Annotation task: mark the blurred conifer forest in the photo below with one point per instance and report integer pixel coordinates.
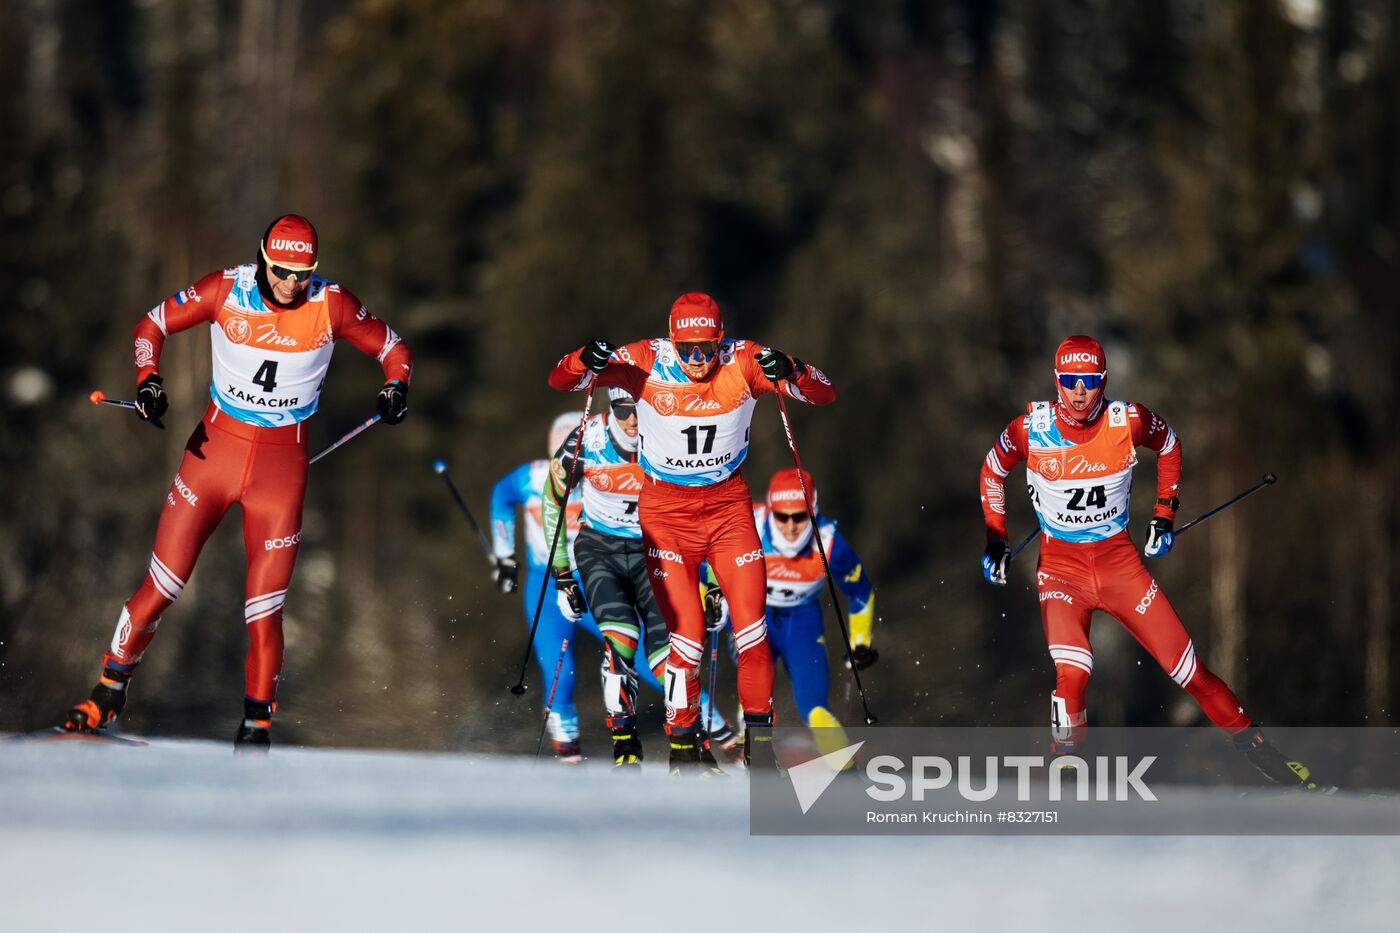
(923, 198)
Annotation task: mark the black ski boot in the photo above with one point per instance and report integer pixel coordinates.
(709, 767)
(758, 742)
(685, 755)
(627, 748)
(1275, 765)
(254, 736)
(102, 706)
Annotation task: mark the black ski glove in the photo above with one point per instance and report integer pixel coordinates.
(776, 364)
(1160, 537)
(505, 573)
(570, 597)
(596, 353)
(151, 402)
(716, 609)
(393, 402)
(864, 656)
(994, 561)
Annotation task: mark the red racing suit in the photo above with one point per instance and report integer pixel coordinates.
(1080, 476)
(695, 506)
(249, 448)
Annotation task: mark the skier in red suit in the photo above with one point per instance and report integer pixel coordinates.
(1079, 453)
(695, 392)
(273, 325)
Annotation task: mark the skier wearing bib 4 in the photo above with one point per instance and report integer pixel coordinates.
(796, 582)
(1079, 453)
(611, 561)
(695, 395)
(521, 487)
(273, 325)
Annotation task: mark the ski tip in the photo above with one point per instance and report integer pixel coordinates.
(439, 466)
(1270, 478)
(97, 396)
(59, 734)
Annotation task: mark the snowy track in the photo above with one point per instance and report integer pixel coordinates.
(182, 836)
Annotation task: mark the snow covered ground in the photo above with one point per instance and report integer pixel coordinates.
(183, 836)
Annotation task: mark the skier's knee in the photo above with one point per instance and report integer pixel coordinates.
(751, 636)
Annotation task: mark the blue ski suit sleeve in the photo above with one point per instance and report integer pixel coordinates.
(510, 491)
(850, 576)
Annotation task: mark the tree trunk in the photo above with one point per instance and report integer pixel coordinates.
(1377, 566)
(1227, 591)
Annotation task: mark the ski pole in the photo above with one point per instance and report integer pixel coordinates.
(1022, 546)
(1268, 480)
(554, 684)
(518, 688)
(714, 667)
(346, 437)
(98, 397)
(440, 468)
(870, 719)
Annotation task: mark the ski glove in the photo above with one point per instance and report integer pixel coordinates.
(864, 656)
(1159, 537)
(776, 364)
(504, 574)
(994, 561)
(393, 402)
(570, 597)
(151, 402)
(596, 354)
(716, 609)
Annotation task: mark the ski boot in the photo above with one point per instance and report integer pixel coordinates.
(627, 748)
(1061, 749)
(758, 742)
(1274, 765)
(102, 706)
(1067, 731)
(685, 755)
(254, 736)
(709, 767)
(568, 752)
(730, 745)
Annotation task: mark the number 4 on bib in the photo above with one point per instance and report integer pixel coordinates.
(266, 376)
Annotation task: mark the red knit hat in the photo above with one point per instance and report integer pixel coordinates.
(1080, 354)
(290, 242)
(785, 491)
(694, 317)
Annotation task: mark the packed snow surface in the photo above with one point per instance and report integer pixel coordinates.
(183, 836)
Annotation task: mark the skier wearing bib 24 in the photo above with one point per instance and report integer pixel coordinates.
(695, 395)
(1079, 453)
(273, 325)
(612, 562)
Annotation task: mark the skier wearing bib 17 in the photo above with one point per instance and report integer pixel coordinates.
(695, 393)
(1079, 453)
(273, 325)
(611, 561)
